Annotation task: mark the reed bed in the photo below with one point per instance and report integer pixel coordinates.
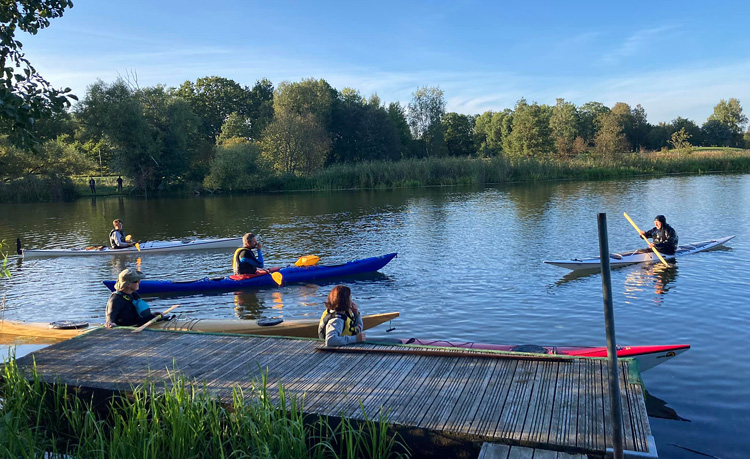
(177, 419)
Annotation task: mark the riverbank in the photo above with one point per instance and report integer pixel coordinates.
(179, 420)
(416, 173)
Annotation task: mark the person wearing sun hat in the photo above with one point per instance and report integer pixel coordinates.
(125, 307)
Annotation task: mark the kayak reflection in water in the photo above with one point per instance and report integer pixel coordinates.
(125, 307)
(664, 236)
(341, 322)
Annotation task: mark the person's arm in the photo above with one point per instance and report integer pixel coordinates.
(119, 243)
(650, 233)
(334, 328)
(260, 258)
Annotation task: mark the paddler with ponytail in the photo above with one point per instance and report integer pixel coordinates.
(244, 260)
(125, 307)
(341, 322)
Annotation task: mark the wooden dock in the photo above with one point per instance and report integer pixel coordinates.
(438, 401)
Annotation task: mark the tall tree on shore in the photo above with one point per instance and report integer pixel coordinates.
(294, 143)
(610, 138)
(214, 99)
(397, 115)
(530, 132)
(624, 117)
(425, 114)
(459, 134)
(25, 96)
(564, 126)
(641, 128)
(729, 113)
(588, 115)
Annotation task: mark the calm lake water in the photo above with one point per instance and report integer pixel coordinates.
(469, 268)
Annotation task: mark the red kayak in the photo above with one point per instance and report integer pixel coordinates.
(647, 356)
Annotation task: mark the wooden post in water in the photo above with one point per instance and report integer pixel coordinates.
(609, 320)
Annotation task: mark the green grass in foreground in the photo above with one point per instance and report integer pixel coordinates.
(179, 420)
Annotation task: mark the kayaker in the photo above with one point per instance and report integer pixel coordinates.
(117, 236)
(341, 322)
(664, 236)
(244, 260)
(125, 307)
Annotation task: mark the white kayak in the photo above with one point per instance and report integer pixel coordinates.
(635, 256)
(145, 247)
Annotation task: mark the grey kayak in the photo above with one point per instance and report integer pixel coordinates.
(632, 257)
(146, 247)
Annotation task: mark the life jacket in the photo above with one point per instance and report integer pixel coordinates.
(236, 260)
(113, 239)
(349, 323)
(139, 304)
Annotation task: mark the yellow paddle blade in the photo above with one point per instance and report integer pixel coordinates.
(138, 246)
(277, 277)
(307, 260)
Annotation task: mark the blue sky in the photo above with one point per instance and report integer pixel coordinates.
(674, 58)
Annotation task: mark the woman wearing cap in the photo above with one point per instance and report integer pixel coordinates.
(125, 307)
(664, 236)
(341, 322)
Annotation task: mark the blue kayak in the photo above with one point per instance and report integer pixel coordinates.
(290, 274)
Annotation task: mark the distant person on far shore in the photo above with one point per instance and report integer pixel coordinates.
(117, 239)
(664, 236)
(92, 185)
(341, 323)
(244, 260)
(119, 184)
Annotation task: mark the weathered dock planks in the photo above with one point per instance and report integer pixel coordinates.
(553, 403)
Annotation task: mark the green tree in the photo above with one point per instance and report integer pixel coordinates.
(425, 114)
(659, 136)
(397, 114)
(59, 156)
(624, 116)
(564, 126)
(214, 99)
(641, 128)
(729, 113)
(295, 144)
(680, 141)
(692, 129)
(610, 138)
(235, 126)
(589, 115)
(261, 107)
(236, 166)
(25, 96)
(530, 132)
(459, 134)
(307, 97)
(716, 134)
(154, 135)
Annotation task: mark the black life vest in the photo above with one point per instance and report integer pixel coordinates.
(113, 239)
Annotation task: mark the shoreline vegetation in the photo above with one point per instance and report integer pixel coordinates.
(409, 173)
(177, 418)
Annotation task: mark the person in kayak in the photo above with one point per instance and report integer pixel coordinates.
(341, 322)
(125, 307)
(244, 260)
(117, 236)
(664, 236)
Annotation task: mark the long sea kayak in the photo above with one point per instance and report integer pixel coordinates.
(635, 256)
(145, 247)
(289, 274)
(302, 328)
(647, 356)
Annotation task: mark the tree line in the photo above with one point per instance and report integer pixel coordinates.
(217, 133)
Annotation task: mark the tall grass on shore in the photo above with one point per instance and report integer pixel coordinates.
(482, 171)
(179, 420)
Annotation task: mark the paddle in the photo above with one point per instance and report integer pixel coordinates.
(158, 316)
(277, 277)
(138, 246)
(645, 239)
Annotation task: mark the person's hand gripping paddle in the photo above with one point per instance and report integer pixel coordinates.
(645, 239)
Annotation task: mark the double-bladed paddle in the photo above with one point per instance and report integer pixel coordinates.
(158, 316)
(645, 239)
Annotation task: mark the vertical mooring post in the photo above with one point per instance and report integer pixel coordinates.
(609, 320)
